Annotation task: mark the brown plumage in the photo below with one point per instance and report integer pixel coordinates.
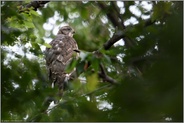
(59, 56)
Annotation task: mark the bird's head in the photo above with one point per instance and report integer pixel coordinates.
(66, 30)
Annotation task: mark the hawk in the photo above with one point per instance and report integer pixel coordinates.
(64, 49)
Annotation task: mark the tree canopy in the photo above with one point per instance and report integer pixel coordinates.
(135, 51)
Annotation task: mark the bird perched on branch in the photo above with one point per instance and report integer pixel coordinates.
(62, 51)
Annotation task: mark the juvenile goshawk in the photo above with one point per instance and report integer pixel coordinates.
(59, 56)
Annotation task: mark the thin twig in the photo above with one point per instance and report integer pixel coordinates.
(105, 86)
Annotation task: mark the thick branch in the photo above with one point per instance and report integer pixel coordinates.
(116, 37)
(117, 20)
(122, 34)
(117, 9)
(111, 14)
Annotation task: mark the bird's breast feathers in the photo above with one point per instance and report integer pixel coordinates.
(63, 48)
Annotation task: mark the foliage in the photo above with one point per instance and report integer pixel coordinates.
(147, 68)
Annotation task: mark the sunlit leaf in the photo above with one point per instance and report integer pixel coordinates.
(34, 13)
(27, 1)
(29, 24)
(92, 82)
(47, 45)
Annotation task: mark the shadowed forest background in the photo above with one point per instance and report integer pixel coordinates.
(136, 66)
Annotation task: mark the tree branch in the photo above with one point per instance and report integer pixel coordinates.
(122, 34)
(34, 4)
(117, 10)
(105, 77)
(111, 14)
(116, 37)
(105, 86)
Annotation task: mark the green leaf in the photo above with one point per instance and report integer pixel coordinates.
(35, 45)
(92, 82)
(27, 1)
(95, 62)
(34, 13)
(106, 59)
(47, 45)
(29, 24)
(70, 67)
